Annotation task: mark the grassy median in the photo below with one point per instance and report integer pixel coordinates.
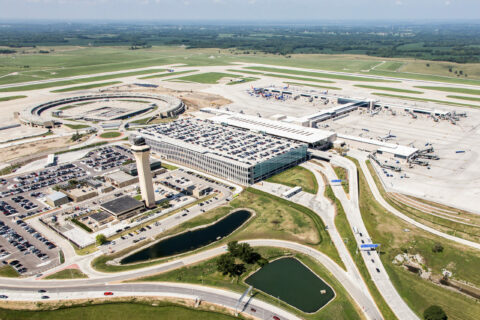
(297, 176)
(397, 236)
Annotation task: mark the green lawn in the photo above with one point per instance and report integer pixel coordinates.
(11, 98)
(342, 174)
(318, 74)
(76, 126)
(169, 166)
(312, 85)
(451, 89)
(8, 272)
(117, 311)
(390, 232)
(388, 89)
(88, 86)
(297, 176)
(424, 99)
(161, 75)
(341, 307)
(208, 77)
(242, 80)
(275, 218)
(464, 98)
(77, 81)
(110, 134)
(67, 274)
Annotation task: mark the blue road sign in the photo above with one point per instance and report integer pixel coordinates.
(337, 180)
(369, 246)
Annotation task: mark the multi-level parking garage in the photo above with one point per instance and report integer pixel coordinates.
(35, 115)
(235, 154)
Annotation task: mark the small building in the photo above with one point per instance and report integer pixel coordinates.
(399, 152)
(100, 218)
(123, 207)
(291, 192)
(200, 190)
(57, 199)
(121, 179)
(51, 160)
(82, 194)
(155, 167)
(94, 183)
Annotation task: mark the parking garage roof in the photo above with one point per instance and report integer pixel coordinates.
(276, 128)
(121, 205)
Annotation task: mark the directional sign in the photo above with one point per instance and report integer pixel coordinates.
(369, 246)
(337, 180)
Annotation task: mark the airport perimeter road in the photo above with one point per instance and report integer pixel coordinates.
(376, 194)
(249, 305)
(372, 259)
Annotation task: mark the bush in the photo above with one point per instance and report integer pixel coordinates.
(434, 313)
(437, 247)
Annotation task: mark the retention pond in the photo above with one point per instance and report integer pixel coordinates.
(292, 282)
(190, 240)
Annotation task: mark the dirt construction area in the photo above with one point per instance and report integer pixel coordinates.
(36, 148)
(194, 100)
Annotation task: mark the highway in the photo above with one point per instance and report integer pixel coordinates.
(354, 217)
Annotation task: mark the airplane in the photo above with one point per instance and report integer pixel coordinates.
(389, 136)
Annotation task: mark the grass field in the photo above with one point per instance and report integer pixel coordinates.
(427, 100)
(68, 61)
(297, 176)
(67, 274)
(312, 85)
(76, 126)
(11, 98)
(342, 174)
(76, 81)
(117, 311)
(388, 89)
(207, 77)
(88, 86)
(161, 75)
(451, 89)
(389, 230)
(275, 218)
(317, 74)
(206, 273)
(464, 98)
(8, 272)
(110, 134)
(242, 80)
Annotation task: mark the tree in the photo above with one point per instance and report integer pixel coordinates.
(101, 239)
(434, 313)
(225, 263)
(234, 248)
(437, 247)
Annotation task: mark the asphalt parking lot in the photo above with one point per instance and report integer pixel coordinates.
(23, 195)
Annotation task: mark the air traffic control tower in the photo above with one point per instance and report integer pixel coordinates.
(141, 152)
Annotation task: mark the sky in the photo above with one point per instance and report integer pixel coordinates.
(235, 10)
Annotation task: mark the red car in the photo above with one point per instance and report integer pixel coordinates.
(276, 318)
(108, 293)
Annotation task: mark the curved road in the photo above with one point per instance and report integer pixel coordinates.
(104, 281)
(376, 193)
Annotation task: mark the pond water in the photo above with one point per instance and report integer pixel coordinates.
(292, 282)
(190, 240)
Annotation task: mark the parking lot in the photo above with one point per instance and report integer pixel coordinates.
(23, 195)
(25, 249)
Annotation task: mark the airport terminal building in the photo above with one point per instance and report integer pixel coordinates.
(239, 155)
